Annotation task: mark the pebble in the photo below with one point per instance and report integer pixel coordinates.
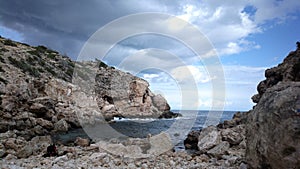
(100, 159)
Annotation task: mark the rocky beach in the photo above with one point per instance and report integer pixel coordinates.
(39, 100)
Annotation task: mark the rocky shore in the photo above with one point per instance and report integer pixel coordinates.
(38, 101)
(93, 156)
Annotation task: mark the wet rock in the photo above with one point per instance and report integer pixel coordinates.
(169, 114)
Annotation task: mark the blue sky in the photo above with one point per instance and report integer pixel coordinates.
(248, 36)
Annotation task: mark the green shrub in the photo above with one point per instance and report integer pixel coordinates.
(72, 64)
(49, 69)
(9, 42)
(34, 52)
(31, 60)
(40, 70)
(4, 50)
(24, 66)
(34, 72)
(51, 56)
(70, 71)
(41, 49)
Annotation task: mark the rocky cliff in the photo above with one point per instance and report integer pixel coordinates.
(38, 98)
(273, 126)
(266, 137)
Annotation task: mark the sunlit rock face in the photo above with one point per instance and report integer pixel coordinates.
(39, 96)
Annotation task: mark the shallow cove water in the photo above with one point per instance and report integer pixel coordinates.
(140, 128)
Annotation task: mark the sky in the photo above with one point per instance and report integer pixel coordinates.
(205, 54)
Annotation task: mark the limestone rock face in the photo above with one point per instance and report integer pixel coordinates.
(273, 126)
(123, 95)
(273, 133)
(38, 96)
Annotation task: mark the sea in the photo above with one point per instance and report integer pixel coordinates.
(177, 128)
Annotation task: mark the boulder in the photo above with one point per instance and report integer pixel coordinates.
(234, 135)
(191, 142)
(83, 142)
(25, 152)
(160, 143)
(44, 123)
(208, 138)
(38, 109)
(61, 126)
(14, 143)
(39, 144)
(219, 150)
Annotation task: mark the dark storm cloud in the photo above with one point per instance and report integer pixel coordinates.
(65, 25)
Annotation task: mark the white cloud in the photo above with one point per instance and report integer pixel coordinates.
(228, 25)
(190, 73)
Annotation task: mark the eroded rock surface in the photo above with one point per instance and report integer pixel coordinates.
(273, 127)
(43, 93)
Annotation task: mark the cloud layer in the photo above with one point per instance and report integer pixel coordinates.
(66, 25)
(228, 25)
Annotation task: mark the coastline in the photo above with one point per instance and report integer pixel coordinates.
(94, 155)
